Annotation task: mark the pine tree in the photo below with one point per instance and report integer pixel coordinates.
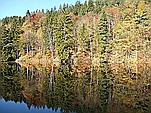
(77, 8)
(90, 6)
(98, 6)
(104, 37)
(141, 25)
(82, 40)
(83, 9)
(68, 43)
(10, 36)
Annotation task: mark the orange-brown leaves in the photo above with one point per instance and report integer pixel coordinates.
(34, 20)
(74, 18)
(82, 61)
(113, 13)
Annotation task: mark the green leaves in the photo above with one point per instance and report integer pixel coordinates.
(103, 36)
(10, 35)
(96, 27)
(63, 36)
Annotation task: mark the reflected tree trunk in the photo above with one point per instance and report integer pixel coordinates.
(32, 72)
(27, 72)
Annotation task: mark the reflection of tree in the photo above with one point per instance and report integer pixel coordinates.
(93, 91)
(33, 88)
(10, 86)
(64, 89)
(131, 90)
(105, 89)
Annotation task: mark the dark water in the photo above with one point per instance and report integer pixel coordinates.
(112, 88)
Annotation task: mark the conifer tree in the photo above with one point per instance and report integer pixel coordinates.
(103, 40)
(82, 38)
(68, 40)
(141, 17)
(83, 9)
(90, 6)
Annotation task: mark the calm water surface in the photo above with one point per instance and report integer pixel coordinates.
(116, 88)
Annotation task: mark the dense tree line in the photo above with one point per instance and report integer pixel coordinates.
(108, 30)
(10, 34)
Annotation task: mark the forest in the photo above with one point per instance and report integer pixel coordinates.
(89, 33)
(87, 57)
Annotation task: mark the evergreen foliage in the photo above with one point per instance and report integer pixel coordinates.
(101, 29)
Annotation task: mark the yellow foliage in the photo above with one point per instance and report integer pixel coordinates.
(140, 7)
(96, 61)
(128, 3)
(39, 32)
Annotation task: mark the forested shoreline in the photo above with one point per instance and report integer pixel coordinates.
(89, 57)
(113, 31)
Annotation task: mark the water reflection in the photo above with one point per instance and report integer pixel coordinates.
(108, 89)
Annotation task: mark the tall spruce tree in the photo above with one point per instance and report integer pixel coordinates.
(103, 40)
(63, 37)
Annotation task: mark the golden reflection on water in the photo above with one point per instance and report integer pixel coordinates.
(112, 88)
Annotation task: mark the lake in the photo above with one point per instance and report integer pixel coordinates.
(109, 88)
